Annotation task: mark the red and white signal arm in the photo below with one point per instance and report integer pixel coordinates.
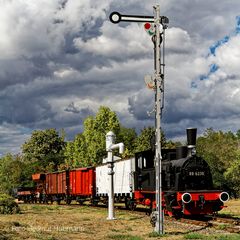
(149, 28)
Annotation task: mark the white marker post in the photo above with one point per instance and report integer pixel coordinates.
(110, 146)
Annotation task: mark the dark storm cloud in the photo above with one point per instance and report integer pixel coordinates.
(61, 60)
(24, 111)
(142, 105)
(204, 19)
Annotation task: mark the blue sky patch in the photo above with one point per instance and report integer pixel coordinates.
(237, 31)
(218, 44)
(226, 38)
(214, 67)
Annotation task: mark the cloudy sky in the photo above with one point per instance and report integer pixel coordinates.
(62, 59)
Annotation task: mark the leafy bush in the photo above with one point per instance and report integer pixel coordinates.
(8, 205)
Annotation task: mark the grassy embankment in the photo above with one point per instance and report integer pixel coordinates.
(83, 222)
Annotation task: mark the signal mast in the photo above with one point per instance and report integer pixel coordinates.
(155, 26)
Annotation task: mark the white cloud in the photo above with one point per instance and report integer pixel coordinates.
(228, 55)
(58, 55)
(117, 42)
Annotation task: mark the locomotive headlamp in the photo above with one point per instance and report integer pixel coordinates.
(224, 197)
(193, 151)
(186, 198)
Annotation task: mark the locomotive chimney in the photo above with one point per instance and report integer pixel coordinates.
(191, 141)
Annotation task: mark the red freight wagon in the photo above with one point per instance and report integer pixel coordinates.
(26, 194)
(51, 183)
(56, 183)
(57, 186)
(82, 184)
(62, 182)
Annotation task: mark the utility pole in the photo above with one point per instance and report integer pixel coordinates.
(159, 22)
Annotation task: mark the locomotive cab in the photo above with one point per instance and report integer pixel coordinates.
(145, 171)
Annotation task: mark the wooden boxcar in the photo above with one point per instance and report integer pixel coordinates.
(82, 184)
(56, 186)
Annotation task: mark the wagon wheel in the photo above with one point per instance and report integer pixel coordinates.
(94, 202)
(133, 206)
(68, 201)
(130, 204)
(105, 201)
(127, 203)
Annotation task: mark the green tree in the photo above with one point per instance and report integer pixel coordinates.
(219, 149)
(95, 130)
(11, 173)
(145, 140)
(76, 152)
(128, 137)
(44, 149)
(88, 148)
(232, 176)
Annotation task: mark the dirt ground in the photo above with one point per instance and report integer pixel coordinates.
(61, 222)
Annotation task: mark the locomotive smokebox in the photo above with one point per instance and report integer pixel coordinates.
(191, 141)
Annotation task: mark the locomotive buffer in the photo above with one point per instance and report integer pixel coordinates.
(159, 22)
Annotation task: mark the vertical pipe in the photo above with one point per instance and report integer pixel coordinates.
(111, 190)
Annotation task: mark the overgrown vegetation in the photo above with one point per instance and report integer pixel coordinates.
(221, 151)
(8, 205)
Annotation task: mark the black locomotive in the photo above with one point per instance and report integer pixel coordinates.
(186, 181)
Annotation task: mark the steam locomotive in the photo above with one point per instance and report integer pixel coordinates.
(186, 181)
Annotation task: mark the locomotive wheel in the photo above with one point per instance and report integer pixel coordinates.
(177, 214)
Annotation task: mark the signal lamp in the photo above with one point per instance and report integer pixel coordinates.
(149, 28)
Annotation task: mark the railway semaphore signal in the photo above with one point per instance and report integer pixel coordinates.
(155, 26)
(116, 17)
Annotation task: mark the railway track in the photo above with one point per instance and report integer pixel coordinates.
(231, 225)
